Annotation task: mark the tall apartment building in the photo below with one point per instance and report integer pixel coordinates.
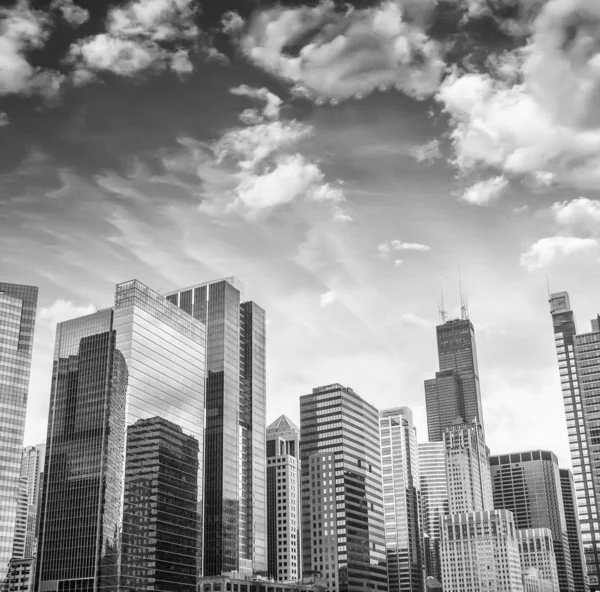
(434, 502)
(567, 485)
(528, 484)
(579, 366)
(343, 529)
(284, 510)
(480, 552)
(18, 305)
(135, 370)
(455, 391)
(235, 512)
(401, 497)
(536, 550)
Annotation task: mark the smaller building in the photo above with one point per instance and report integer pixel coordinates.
(238, 582)
(536, 549)
(533, 581)
(20, 572)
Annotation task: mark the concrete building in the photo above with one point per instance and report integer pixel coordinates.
(536, 550)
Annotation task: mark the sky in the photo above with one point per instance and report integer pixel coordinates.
(341, 159)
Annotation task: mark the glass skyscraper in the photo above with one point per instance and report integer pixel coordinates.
(139, 364)
(17, 322)
(235, 526)
(401, 497)
(579, 367)
(343, 529)
(454, 392)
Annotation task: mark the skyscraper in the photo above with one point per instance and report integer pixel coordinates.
(528, 484)
(235, 525)
(536, 549)
(401, 496)
(454, 392)
(17, 321)
(434, 502)
(579, 363)
(284, 511)
(140, 360)
(343, 531)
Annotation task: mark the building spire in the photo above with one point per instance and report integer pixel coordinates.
(441, 309)
(464, 309)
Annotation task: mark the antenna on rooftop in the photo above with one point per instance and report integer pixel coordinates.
(548, 286)
(464, 309)
(441, 309)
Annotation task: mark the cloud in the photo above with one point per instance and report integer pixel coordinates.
(270, 110)
(545, 126)
(398, 262)
(328, 298)
(427, 152)
(401, 246)
(64, 310)
(4, 120)
(581, 214)
(73, 14)
(485, 192)
(410, 318)
(546, 250)
(327, 54)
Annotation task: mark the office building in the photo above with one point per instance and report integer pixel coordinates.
(20, 573)
(468, 469)
(455, 391)
(284, 511)
(235, 524)
(533, 581)
(528, 484)
(567, 485)
(17, 322)
(480, 552)
(237, 582)
(579, 363)
(401, 496)
(123, 366)
(434, 502)
(343, 530)
(536, 550)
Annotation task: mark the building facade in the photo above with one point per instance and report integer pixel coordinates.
(343, 529)
(18, 306)
(284, 511)
(536, 550)
(235, 524)
(580, 403)
(401, 499)
(528, 484)
(533, 581)
(140, 360)
(480, 552)
(434, 502)
(455, 391)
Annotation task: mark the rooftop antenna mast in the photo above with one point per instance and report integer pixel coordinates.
(441, 309)
(464, 309)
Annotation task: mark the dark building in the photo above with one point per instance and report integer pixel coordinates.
(454, 392)
(579, 367)
(235, 523)
(17, 322)
(528, 484)
(343, 530)
(573, 530)
(161, 543)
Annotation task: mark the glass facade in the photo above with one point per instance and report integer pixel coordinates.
(401, 497)
(455, 391)
(528, 484)
(142, 360)
(343, 529)
(235, 530)
(582, 416)
(17, 322)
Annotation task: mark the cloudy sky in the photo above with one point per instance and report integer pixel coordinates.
(338, 159)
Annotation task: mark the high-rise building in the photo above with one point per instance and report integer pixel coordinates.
(579, 365)
(567, 485)
(235, 524)
(454, 392)
(284, 510)
(528, 484)
(17, 322)
(480, 552)
(434, 502)
(343, 530)
(536, 549)
(468, 468)
(401, 497)
(533, 581)
(123, 366)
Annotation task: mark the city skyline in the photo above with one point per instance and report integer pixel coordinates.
(171, 167)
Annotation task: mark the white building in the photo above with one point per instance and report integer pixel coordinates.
(533, 581)
(536, 549)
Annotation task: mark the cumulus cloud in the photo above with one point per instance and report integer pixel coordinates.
(547, 250)
(270, 110)
(579, 215)
(327, 54)
(485, 192)
(63, 310)
(328, 298)
(545, 127)
(73, 14)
